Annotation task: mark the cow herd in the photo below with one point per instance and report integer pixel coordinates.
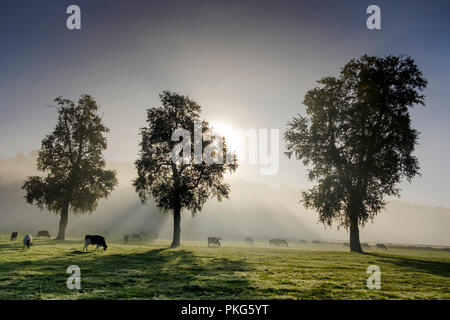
(88, 239)
(41, 233)
(28, 239)
(215, 242)
(100, 241)
(367, 246)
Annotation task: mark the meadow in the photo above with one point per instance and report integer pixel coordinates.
(150, 270)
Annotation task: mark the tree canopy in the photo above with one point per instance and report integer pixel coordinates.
(74, 175)
(190, 182)
(356, 139)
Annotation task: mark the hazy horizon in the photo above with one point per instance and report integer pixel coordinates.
(246, 213)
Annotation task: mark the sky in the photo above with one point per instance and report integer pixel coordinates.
(248, 63)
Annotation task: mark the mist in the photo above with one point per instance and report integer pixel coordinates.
(254, 209)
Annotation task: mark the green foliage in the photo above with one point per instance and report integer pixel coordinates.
(356, 139)
(71, 160)
(177, 185)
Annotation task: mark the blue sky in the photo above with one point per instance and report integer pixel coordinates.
(248, 63)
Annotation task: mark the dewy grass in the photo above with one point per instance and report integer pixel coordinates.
(234, 271)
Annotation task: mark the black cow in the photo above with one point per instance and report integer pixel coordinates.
(43, 233)
(126, 238)
(215, 241)
(136, 236)
(278, 242)
(14, 235)
(381, 246)
(96, 239)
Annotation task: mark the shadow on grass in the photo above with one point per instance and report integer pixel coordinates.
(433, 267)
(81, 252)
(40, 242)
(159, 273)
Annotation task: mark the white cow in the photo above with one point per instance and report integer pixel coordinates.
(27, 240)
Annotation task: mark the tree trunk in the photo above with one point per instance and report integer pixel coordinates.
(176, 227)
(63, 223)
(355, 245)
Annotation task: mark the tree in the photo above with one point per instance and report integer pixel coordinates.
(186, 183)
(72, 161)
(356, 140)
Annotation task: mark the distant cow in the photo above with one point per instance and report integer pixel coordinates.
(27, 240)
(278, 242)
(136, 236)
(126, 238)
(381, 246)
(346, 244)
(302, 241)
(98, 240)
(14, 235)
(316, 242)
(365, 246)
(144, 233)
(249, 240)
(214, 241)
(43, 233)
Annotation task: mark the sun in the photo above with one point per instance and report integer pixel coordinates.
(230, 134)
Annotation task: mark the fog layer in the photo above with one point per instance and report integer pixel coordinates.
(254, 209)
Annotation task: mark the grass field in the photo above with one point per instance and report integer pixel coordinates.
(233, 271)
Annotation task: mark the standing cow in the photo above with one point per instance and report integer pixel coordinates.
(14, 235)
(43, 233)
(279, 242)
(27, 240)
(214, 241)
(96, 239)
(136, 236)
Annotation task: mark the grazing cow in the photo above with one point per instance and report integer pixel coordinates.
(381, 246)
(249, 240)
(14, 235)
(278, 242)
(274, 241)
(98, 240)
(126, 238)
(136, 236)
(302, 241)
(27, 240)
(365, 246)
(215, 241)
(316, 242)
(43, 233)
